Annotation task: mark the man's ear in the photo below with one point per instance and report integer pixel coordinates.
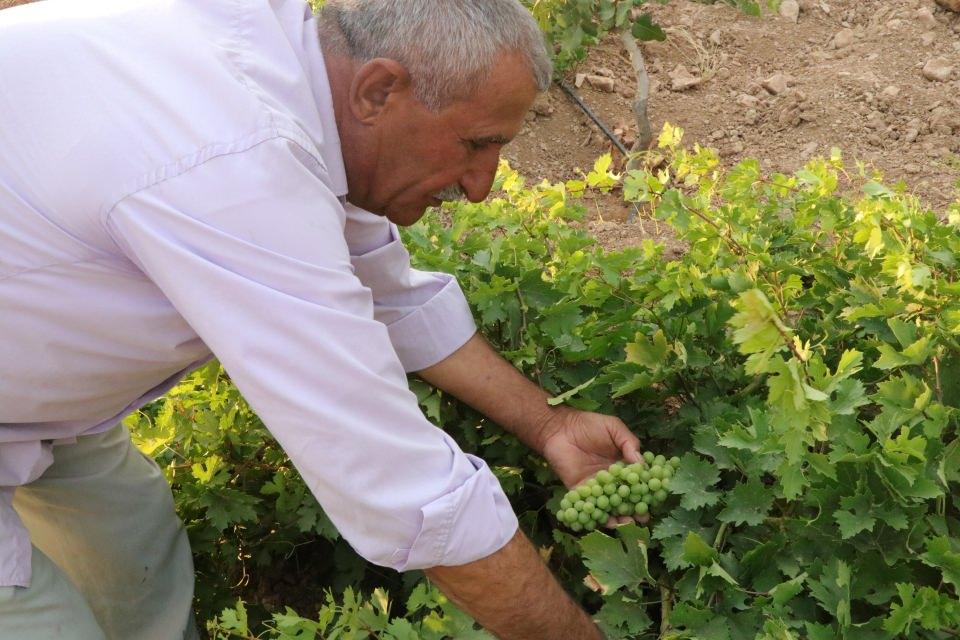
(374, 83)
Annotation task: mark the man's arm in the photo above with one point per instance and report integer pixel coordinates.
(482, 378)
(577, 444)
(512, 592)
(514, 596)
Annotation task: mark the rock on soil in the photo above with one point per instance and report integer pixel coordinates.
(601, 83)
(775, 84)
(950, 4)
(790, 9)
(937, 69)
(843, 39)
(926, 18)
(681, 79)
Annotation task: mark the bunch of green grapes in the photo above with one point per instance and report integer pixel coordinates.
(619, 490)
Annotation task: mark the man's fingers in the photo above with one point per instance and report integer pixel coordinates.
(615, 521)
(628, 443)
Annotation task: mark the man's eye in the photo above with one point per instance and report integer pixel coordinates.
(475, 145)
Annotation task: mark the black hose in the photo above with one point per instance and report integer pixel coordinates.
(596, 119)
(567, 89)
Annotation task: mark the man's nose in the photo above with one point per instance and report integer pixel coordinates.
(478, 180)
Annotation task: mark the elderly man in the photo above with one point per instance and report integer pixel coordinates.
(188, 179)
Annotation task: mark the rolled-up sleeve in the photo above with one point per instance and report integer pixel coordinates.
(249, 248)
(426, 313)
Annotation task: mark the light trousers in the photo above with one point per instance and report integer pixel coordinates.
(111, 560)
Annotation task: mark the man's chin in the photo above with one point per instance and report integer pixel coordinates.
(406, 216)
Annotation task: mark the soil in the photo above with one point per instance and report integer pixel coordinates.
(879, 79)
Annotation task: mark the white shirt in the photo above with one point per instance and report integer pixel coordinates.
(172, 189)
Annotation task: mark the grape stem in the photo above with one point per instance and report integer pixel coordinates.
(718, 541)
(666, 606)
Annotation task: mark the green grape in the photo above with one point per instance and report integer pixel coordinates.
(621, 489)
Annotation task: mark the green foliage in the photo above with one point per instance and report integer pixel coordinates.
(572, 25)
(351, 617)
(804, 347)
(801, 356)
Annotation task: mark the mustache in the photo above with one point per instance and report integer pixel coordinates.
(453, 193)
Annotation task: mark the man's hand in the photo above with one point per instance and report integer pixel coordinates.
(577, 444)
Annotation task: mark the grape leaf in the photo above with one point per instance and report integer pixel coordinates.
(650, 354)
(693, 480)
(627, 617)
(785, 591)
(696, 551)
(747, 503)
(615, 563)
(401, 629)
(225, 506)
(856, 516)
(644, 29)
(914, 354)
(941, 554)
(832, 591)
(849, 395)
(757, 327)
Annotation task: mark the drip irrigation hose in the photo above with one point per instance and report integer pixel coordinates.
(567, 89)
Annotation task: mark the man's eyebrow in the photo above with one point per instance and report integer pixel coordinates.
(498, 139)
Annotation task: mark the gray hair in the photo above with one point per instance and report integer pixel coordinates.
(449, 47)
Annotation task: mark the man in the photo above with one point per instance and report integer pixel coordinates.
(187, 179)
